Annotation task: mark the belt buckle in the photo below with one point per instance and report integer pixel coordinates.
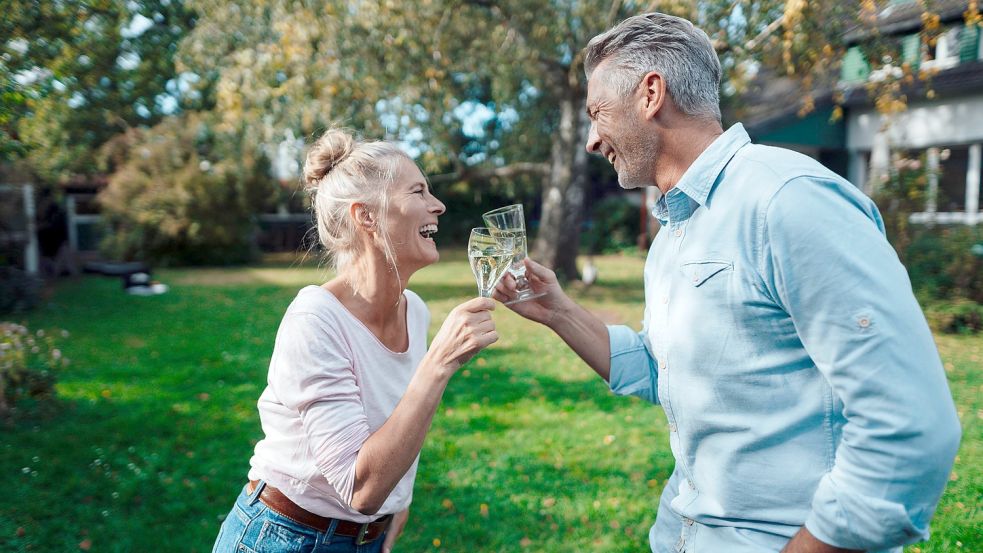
(362, 530)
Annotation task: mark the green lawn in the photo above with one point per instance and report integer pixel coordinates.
(150, 442)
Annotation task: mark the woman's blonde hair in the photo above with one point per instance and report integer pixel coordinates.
(342, 170)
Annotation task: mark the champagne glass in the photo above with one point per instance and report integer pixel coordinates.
(509, 222)
(489, 257)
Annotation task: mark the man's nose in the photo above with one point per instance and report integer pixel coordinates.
(593, 141)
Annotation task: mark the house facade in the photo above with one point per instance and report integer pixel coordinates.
(943, 122)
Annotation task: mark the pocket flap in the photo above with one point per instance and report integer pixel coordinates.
(699, 272)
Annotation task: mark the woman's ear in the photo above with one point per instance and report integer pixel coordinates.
(362, 216)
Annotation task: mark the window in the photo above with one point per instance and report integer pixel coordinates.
(944, 53)
(953, 163)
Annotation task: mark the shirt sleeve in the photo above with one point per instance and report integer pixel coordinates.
(312, 374)
(633, 370)
(827, 262)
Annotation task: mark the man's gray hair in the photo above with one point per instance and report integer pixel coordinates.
(669, 45)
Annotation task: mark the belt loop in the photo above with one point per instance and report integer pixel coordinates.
(256, 492)
(329, 533)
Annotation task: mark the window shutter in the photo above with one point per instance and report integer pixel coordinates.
(969, 40)
(911, 50)
(854, 68)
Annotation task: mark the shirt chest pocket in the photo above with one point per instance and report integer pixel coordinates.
(706, 272)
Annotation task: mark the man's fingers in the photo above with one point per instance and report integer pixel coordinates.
(540, 272)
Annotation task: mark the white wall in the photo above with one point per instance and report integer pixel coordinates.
(944, 122)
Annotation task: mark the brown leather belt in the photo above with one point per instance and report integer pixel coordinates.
(276, 501)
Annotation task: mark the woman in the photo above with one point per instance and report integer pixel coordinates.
(352, 387)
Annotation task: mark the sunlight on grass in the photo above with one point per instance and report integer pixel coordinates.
(529, 451)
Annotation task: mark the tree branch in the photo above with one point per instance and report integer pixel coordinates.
(508, 171)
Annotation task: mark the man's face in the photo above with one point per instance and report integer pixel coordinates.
(619, 132)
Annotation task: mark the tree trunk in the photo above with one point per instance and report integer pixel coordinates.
(558, 240)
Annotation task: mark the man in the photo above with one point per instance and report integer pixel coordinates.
(808, 410)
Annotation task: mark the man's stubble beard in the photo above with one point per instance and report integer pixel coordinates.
(640, 169)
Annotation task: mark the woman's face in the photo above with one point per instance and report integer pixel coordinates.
(412, 218)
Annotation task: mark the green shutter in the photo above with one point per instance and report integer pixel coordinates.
(969, 40)
(911, 50)
(854, 68)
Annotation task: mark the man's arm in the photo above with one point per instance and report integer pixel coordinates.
(826, 261)
(617, 353)
(804, 542)
(586, 334)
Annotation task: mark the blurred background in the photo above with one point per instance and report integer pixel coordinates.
(155, 147)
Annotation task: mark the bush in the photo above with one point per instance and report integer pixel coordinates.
(168, 203)
(18, 290)
(28, 362)
(942, 265)
(957, 317)
(613, 226)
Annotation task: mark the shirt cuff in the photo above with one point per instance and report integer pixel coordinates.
(633, 369)
(850, 520)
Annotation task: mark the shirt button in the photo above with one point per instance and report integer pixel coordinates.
(692, 486)
(679, 232)
(662, 365)
(665, 300)
(672, 427)
(864, 322)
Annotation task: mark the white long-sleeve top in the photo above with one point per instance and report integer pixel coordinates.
(331, 384)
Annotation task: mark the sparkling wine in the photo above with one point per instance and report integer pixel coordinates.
(518, 238)
(488, 267)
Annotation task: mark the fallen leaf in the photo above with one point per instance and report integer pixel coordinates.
(85, 544)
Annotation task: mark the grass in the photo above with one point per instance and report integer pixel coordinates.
(150, 440)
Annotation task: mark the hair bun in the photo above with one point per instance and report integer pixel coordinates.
(332, 148)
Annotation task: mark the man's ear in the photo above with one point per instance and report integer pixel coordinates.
(653, 94)
(362, 216)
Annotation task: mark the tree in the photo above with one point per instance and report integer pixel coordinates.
(172, 200)
(412, 71)
(77, 73)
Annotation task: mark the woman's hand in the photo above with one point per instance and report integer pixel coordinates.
(543, 309)
(467, 330)
(395, 529)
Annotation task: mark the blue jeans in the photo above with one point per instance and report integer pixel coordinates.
(251, 527)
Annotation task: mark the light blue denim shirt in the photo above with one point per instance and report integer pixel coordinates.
(799, 378)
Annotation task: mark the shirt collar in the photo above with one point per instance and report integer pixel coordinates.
(697, 182)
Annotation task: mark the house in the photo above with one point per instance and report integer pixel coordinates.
(943, 120)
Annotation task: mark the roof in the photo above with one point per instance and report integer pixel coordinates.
(907, 16)
(956, 81)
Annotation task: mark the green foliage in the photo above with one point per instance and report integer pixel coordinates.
(18, 290)
(28, 362)
(901, 193)
(614, 226)
(945, 275)
(86, 75)
(168, 203)
(156, 425)
(942, 265)
(960, 316)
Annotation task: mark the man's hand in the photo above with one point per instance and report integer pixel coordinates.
(395, 529)
(804, 542)
(543, 309)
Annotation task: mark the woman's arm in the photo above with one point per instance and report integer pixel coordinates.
(390, 451)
